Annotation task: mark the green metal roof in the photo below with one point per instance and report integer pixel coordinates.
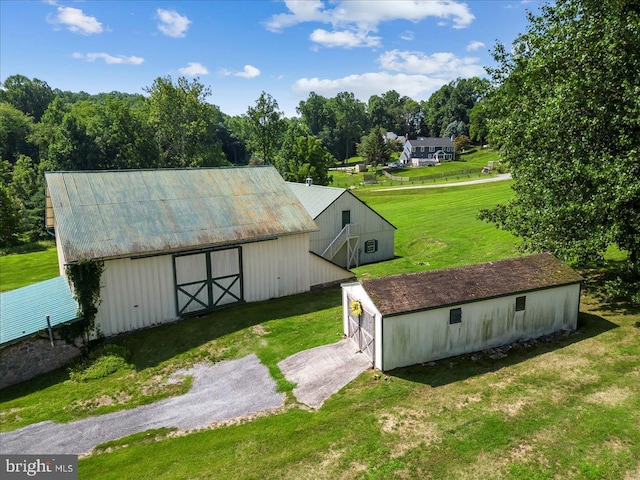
(121, 213)
(24, 311)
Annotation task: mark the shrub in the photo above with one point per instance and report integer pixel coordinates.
(101, 362)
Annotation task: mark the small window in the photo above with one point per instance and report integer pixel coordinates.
(520, 303)
(455, 316)
(370, 246)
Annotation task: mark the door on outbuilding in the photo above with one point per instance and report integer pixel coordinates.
(361, 330)
(207, 280)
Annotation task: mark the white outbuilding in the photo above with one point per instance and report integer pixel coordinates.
(415, 318)
(350, 233)
(179, 242)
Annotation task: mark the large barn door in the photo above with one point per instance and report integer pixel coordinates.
(361, 331)
(207, 280)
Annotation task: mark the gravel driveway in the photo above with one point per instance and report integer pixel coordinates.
(225, 390)
(222, 391)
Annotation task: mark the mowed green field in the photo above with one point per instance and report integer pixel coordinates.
(439, 228)
(20, 270)
(565, 409)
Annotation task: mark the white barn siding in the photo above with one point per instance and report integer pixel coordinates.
(136, 293)
(324, 272)
(370, 226)
(276, 268)
(425, 336)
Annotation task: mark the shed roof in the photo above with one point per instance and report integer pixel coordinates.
(317, 198)
(438, 288)
(24, 311)
(121, 213)
(431, 142)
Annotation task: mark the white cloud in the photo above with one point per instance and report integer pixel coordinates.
(193, 69)
(345, 39)
(475, 45)
(367, 84)
(301, 11)
(172, 23)
(76, 21)
(249, 71)
(414, 74)
(366, 15)
(109, 59)
(442, 64)
(407, 35)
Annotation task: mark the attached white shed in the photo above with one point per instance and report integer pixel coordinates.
(350, 233)
(408, 319)
(179, 242)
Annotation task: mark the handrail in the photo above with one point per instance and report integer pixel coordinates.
(343, 233)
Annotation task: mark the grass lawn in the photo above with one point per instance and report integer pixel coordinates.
(472, 160)
(19, 270)
(568, 409)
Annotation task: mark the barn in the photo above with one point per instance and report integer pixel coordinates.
(180, 242)
(409, 319)
(350, 233)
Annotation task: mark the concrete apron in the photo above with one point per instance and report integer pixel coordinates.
(322, 371)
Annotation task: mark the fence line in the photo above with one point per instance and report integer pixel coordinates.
(465, 171)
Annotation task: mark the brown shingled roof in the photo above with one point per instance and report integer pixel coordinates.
(421, 291)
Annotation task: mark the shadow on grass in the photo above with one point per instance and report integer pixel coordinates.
(152, 346)
(462, 367)
(28, 248)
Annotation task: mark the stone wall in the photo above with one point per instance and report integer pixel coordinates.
(32, 357)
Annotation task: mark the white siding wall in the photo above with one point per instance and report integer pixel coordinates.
(276, 268)
(61, 260)
(322, 271)
(370, 225)
(136, 294)
(425, 336)
(140, 293)
(355, 290)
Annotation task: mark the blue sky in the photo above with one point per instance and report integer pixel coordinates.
(240, 48)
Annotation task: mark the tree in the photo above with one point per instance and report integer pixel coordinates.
(478, 126)
(460, 143)
(350, 124)
(302, 155)
(267, 127)
(32, 97)
(15, 130)
(373, 148)
(182, 123)
(9, 217)
(566, 112)
(315, 113)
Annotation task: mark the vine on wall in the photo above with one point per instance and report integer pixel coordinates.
(85, 276)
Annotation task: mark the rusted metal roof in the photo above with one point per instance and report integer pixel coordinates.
(121, 213)
(426, 290)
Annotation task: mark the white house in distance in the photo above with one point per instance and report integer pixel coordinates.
(408, 319)
(350, 233)
(425, 151)
(179, 242)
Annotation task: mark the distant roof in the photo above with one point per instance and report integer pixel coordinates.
(24, 311)
(315, 198)
(425, 290)
(121, 213)
(431, 142)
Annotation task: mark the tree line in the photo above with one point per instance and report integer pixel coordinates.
(174, 126)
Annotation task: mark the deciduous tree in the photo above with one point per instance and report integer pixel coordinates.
(566, 113)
